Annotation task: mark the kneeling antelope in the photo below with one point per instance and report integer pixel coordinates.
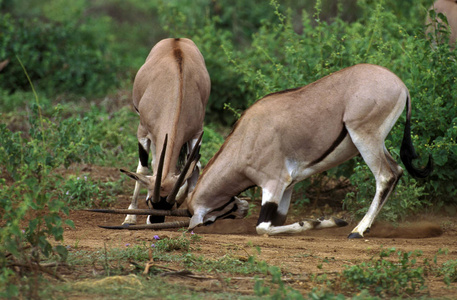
(288, 136)
(170, 93)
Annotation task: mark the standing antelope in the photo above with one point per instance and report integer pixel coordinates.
(449, 9)
(288, 136)
(170, 93)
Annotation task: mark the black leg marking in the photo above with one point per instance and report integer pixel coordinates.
(340, 222)
(279, 220)
(224, 206)
(228, 214)
(390, 187)
(269, 213)
(182, 157)
(143, 154)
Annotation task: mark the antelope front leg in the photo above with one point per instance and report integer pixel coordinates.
(272, 216)
(142, 169)
(131, 219)
(299, 227)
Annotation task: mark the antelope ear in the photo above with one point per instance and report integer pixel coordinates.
(140, 178)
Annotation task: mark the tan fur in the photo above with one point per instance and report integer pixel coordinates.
(449, 9)
(170, 93)
(288, 136)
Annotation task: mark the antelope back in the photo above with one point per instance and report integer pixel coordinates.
(170, 94)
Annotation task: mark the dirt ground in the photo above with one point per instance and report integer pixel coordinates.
(299, 257)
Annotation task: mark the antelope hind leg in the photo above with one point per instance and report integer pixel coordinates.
(387, 173)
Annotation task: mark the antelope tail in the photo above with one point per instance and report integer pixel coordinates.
(407, 152)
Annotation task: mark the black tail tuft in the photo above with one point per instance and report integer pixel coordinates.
(407, 154)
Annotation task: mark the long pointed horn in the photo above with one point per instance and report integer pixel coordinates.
(175, 224)
(172, 196)
(156, 195)
(182, 212)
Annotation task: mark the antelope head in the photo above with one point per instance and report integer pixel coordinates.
(167, 190)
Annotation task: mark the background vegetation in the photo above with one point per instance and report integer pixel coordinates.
(81, 57)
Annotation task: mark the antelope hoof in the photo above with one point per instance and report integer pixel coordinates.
(355, 235)
(129, 220)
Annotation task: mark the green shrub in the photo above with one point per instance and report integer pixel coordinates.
(25, 202)
(31, 209)
(276, 289)
(83, 192)
(211, 142)
(284, 54)
(61, 57)
(386, 278)
(280, 58)
(206, 32)
(181, 243)
(115, 134)
(18, 100)
(449, 271)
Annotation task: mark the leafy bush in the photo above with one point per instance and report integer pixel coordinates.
(27, 195)
(226, 85)
(31, 191)
(25, 201)
(276, 289)
(181, 243)
(449, 271)
(83, 192)
(211, 142)
(281, 56)
(62, 57)
(115, 133)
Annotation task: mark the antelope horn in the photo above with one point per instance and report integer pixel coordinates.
(182, 212)
(172, 196)
(156, 195)
(175, 224)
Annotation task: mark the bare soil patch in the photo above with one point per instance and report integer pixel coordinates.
(299, 257)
